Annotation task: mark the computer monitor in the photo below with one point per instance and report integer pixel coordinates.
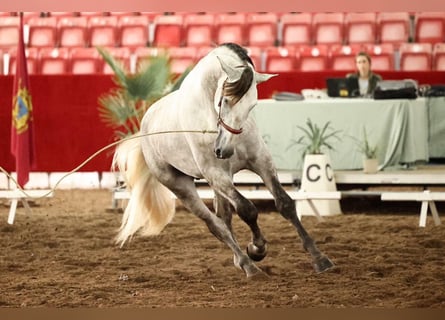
(342, 87)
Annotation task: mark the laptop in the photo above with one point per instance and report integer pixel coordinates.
(342, 87)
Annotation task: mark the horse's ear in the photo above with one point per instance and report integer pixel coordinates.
(233, 73)
(261, 77)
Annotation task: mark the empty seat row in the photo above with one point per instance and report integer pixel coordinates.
(89, 60)
(207, 29)
(409, 57)
(363, 27)
(384, 57)
(77, 31)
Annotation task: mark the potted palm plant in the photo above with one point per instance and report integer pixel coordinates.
(122, 108)
(317, 174)
(369, 151)
(315, 139)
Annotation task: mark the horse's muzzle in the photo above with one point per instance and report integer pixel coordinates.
(223, 154)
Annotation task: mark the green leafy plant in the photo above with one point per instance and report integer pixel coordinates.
(122, 108)
(315, 138)
(368, 150)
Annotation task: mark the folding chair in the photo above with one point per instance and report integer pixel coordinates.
(280, 59)
(102, 31)
(328, 28)
(42, 32)
(230, 27)
(133, 31)
(72, 32)
(199, 30)
(261, 29)
(360, 27)
(415, 56)
(296, 29)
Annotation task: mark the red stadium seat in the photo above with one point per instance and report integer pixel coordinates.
(296, 29)
(230, 27)
(261, 29)
(342, 57)
(430, 27)
(280, 59)
(102, 31)
(181, 58)
(439, 57)
(168, 31)
(32, 59)
(360, 27)
(393, 27)
(72, 31)
(133, 31)
(415, 56)
(198, 30)
(42, 32)
(382, 56)
(313, 58)
(328, 28)
(9, 31)
(53, 60)
(85, 61)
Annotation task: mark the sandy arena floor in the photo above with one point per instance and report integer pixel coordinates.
(63, 255)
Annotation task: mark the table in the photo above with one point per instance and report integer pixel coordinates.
(436, 134)
(399, 127)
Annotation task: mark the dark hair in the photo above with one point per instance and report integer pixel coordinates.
(364, 54)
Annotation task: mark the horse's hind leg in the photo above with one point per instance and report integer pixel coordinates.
(223, 210)
(184, 188)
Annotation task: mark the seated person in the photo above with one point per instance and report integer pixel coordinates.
(367, 80)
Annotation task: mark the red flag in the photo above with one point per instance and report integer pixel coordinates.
(22, 139)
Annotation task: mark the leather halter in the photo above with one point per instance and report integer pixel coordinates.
(225, 125)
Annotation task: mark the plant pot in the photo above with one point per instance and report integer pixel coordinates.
(318, 176)
(370, 165)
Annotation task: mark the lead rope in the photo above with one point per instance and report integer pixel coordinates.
(97, 153)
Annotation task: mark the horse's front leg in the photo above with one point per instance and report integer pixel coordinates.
(286, 206)
(246, 210)
(184, 188)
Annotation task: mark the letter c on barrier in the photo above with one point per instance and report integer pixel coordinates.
(316, 178)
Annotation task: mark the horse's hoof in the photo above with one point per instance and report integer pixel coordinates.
(323, 264)
(256, 253)
(255, 273)
(260, 276)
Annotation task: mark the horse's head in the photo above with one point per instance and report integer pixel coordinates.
(234, 100)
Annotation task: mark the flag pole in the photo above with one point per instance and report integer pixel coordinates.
(22, 135)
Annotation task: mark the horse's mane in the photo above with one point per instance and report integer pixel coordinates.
(240, 51)
(238, 88)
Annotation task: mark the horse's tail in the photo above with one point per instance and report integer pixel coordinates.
(151, 206)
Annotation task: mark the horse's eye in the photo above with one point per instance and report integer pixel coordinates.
(227, 102)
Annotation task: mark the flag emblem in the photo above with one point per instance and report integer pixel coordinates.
(22, 108)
